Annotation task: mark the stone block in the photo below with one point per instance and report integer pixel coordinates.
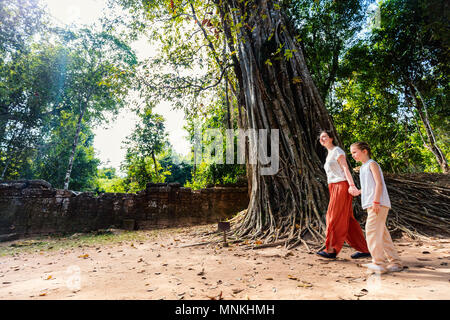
(128, 224)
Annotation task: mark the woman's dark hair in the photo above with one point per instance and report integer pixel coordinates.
(329, 133)
(362, 145)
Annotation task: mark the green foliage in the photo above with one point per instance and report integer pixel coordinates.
(108, 181)
(191, 59)
(54, 88)
(107, 173)
(374, 100)
(370, 114)
(200, 177)
(50, 160)
(179, 168)
(25, 90)
(47, 82)
(326, 29)
(145, 143)
(208, 171)
(20, 21)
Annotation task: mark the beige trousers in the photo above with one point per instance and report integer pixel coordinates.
(378, 238)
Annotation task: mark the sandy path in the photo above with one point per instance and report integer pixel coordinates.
(161, 268)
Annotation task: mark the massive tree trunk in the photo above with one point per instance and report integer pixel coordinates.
(279, 93)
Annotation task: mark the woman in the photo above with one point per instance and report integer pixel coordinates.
(341, 224)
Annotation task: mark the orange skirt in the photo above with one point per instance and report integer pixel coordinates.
(341, 224)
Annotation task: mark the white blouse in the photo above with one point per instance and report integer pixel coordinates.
(368, 186)
(332, 167)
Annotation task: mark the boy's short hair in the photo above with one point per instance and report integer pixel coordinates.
(362, 145)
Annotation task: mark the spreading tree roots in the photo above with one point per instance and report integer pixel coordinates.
(420, 210)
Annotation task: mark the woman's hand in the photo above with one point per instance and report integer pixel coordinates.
(354, 191)
(343, 163)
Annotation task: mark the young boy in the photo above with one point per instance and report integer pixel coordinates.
(375, 199)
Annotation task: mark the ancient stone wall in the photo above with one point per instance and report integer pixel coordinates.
(34, 207)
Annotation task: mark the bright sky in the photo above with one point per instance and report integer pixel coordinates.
(108, 141)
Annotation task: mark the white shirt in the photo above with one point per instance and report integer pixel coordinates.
(368, 187)
(332, 167)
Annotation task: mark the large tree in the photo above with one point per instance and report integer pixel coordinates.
(274, 90)
(143, 146)
(253, 50)
(59, 80)
(96, 79)
(24, 85)
(277, 92)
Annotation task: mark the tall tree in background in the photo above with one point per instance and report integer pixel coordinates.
(24, 87)
(97, 78)
(406, 55)
(327, 29)
(145, 142)
(49, 81)
(50, 159)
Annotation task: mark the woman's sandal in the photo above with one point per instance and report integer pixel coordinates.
(358, 255)
(327, 255)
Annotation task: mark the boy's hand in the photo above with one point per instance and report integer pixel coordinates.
(354, 191)
(376, 207)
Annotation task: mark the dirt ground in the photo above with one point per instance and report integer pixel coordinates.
(161, 265)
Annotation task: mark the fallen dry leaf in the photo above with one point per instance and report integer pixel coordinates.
(288, 254)
(305, 284)
(201, 272)
(363, 292)
(84, 256)
(219, 297)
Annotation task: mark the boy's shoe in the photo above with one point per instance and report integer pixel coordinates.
(375, 268)
(327, 255)
(358, 255)
(394, 268)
